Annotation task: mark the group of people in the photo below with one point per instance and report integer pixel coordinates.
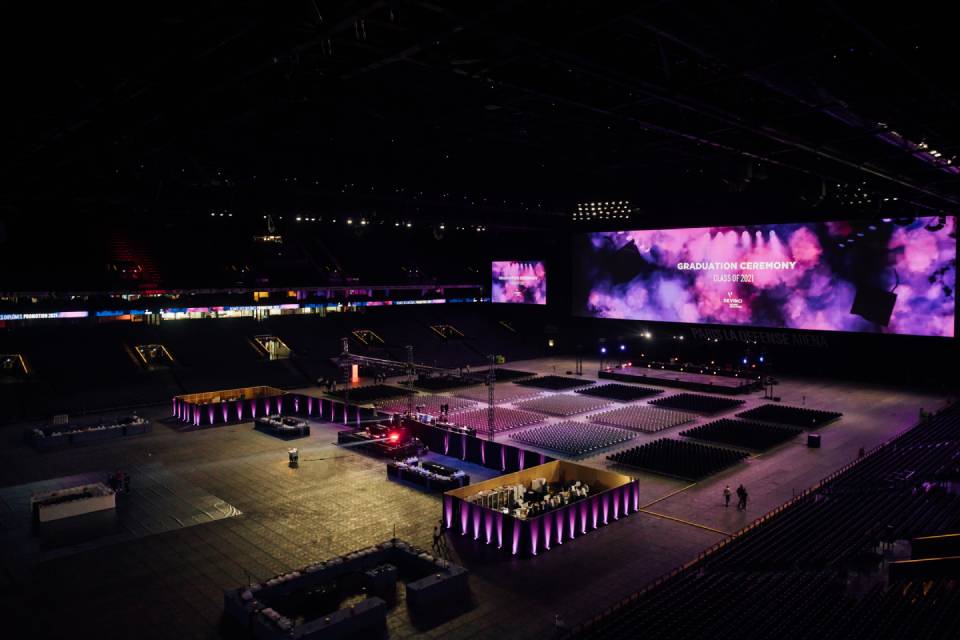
(379, 376)
(742, 496)
(330, 384)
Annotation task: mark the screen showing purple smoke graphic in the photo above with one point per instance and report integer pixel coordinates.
(889, 276)
(519, 282)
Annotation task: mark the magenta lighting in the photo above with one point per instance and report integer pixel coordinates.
(448, 511)
(534, 533)
(808, 276)
(205, 407)
(519, 282)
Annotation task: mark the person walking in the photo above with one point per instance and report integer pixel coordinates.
(436, 541)
(726, 496)
(741, 501)
(744, 498)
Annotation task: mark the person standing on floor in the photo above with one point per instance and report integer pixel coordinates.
(741, 492)
(436, 541)
(726, 496)
(559, 626)
(745, 496)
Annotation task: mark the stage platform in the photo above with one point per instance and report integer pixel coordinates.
(682, 379)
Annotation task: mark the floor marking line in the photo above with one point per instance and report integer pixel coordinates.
(682, 521)
(669, 495)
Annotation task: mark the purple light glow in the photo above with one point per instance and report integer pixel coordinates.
(239, 409)
(572, 518)
(542, 458)
(210, 413)
(463, 445)
(616, 504)
(483, 452)
(606, 509)
(296, 404)
(783, 276)
(174, 406)
(516, 536)
(226, 411)
(534, 535)
(522, 457)
(464, 517)
(499, 530)
(636, 495)
(583, 517)
(560, 525)
(594, 510)
(503, 458)
(519, 282)
(477, 514)
(488, 525)
(547, 531)
(448, 511)
(446, 443)
(253, 408)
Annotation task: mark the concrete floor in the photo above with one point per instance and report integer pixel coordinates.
(169, 584)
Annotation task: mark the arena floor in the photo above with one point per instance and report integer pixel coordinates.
(164, 578)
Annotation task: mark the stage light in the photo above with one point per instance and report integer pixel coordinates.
(394, 436)
(744, 361)
(623, 347)
(761, 359)
(603, 349)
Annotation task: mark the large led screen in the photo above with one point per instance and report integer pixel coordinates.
(519, 282)
(890, 276)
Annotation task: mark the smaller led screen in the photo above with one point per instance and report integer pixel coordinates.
(519, 282)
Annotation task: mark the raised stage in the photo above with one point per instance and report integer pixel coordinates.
(712, 382)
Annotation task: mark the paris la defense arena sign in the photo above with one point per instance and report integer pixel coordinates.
(889, 276)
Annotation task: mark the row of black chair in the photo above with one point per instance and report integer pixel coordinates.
(793, 416)
(697, 402)
(689, 460)
(742, 433)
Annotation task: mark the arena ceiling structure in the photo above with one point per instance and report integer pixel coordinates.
(509, 113)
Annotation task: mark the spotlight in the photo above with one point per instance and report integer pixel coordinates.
(623, 347)
(603, 349)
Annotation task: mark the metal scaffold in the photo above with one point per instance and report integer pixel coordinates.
(491, 381)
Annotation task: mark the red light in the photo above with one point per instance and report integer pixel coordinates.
(394, 436)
